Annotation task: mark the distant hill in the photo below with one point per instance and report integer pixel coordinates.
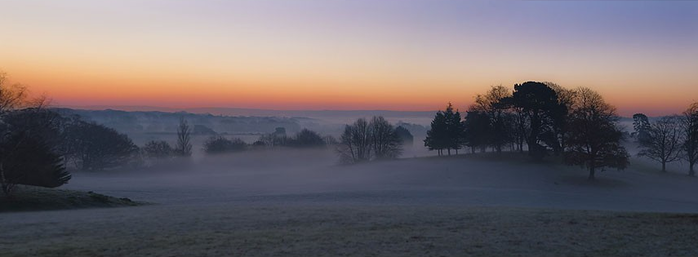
(331, 116)
(166, 122)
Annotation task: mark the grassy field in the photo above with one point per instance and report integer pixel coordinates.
(303, 204)
(29, 198)
(353, 231)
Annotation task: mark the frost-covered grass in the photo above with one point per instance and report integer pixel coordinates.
(296, 203)
(349, 231)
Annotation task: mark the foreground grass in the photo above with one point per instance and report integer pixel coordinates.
(353, 231)
(29, 198)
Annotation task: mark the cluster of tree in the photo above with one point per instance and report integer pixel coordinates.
(304, 139)
(220, 144)
(538, 117)
(670, 138)
(365, 141)
(39, 144)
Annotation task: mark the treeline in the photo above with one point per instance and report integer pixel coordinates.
(538, 117)
(670, 138)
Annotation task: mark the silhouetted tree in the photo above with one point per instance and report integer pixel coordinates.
(560, 117)
(183, 146)
(29, 149)
(277, 138)
(158, 150)
(307, 138)
(12, 96)
(437, 136)
(664, 141)
(386, 142)
(642, 127)
(538, 103)
(689, 128)
(405, 136)
(355, 143)
(94, 147)
(454, 129)
(492, 104)
(446, 131)
(477, 128)
(220, 144)
(593, 138)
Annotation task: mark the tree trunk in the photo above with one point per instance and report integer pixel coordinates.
(592, 171)
(663, 166)
(691, 171)
(449, 151)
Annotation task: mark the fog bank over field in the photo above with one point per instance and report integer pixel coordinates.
(303, 177)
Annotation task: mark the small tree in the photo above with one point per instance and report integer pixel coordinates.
(158, 150)
(664, 141)
(437, 135)
(405, 136)
(593, 139)
(689, 128)
(183, 147)
(641, 125)
(454, 129)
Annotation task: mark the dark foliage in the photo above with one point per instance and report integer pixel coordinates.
(220, 144)
(540, 106)
(642, 127)
(306, 139)
(29, 150)
(404, 135)
(95, 147)
(158, 150)
(446, 131)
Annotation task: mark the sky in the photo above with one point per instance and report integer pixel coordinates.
(642, 56)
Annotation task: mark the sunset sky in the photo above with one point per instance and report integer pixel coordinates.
(396, 55)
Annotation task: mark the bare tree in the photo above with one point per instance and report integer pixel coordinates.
(386, 142)
(593, 139)
(355, 143)
(664, 141)
(12, 96)
(689, 128)
(183, 147)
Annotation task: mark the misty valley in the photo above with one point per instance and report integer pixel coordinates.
(302, 128)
